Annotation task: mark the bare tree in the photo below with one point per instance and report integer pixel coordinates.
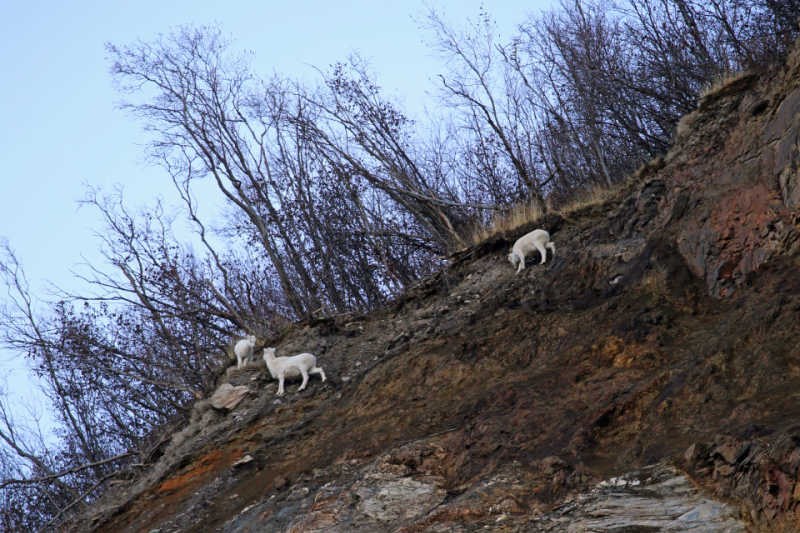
(495, 108)
(367, 138)
(274, 153)
(202, 126)
(586, 92)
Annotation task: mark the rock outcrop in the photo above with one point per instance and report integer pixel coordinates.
(227, 396)
(656, 498)
(664, 332)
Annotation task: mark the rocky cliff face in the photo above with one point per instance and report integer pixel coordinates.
(664, 332)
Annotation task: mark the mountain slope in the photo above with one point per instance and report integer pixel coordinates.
(663, 331)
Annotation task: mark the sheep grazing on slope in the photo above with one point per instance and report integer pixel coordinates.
(538, 239)
(288, 367)
(244, 350)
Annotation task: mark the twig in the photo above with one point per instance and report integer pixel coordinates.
(73, 470)
(79, 499)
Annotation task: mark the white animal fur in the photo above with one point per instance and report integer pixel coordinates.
(538, 239)
(288, 367)
(244, 350)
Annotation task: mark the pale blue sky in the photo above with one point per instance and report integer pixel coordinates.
(61, 130)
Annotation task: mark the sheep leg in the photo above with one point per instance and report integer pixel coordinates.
(521, 264)
(304, 372)
(280, 384)
(552, 246)
(542, 250)
(317, 370)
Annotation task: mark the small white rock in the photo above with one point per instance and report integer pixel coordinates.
(244, 460)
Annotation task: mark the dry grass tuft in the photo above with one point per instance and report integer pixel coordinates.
(524, 213)
(685, 124)
(513, 218)
(521, 214)
(591, 196)
(721, 82)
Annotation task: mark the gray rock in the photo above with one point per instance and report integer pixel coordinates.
(657, 498)
(389, 498)
(227, 396)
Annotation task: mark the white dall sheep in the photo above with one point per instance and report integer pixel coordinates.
(538, 239)
(289, 367)
(244, 350)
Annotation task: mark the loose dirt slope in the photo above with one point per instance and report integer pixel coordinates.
(664, 330)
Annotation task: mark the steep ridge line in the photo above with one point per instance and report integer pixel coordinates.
(664, 330)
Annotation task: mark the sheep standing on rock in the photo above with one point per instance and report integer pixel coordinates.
(538, 239)
(244, 350)
(288, 367)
